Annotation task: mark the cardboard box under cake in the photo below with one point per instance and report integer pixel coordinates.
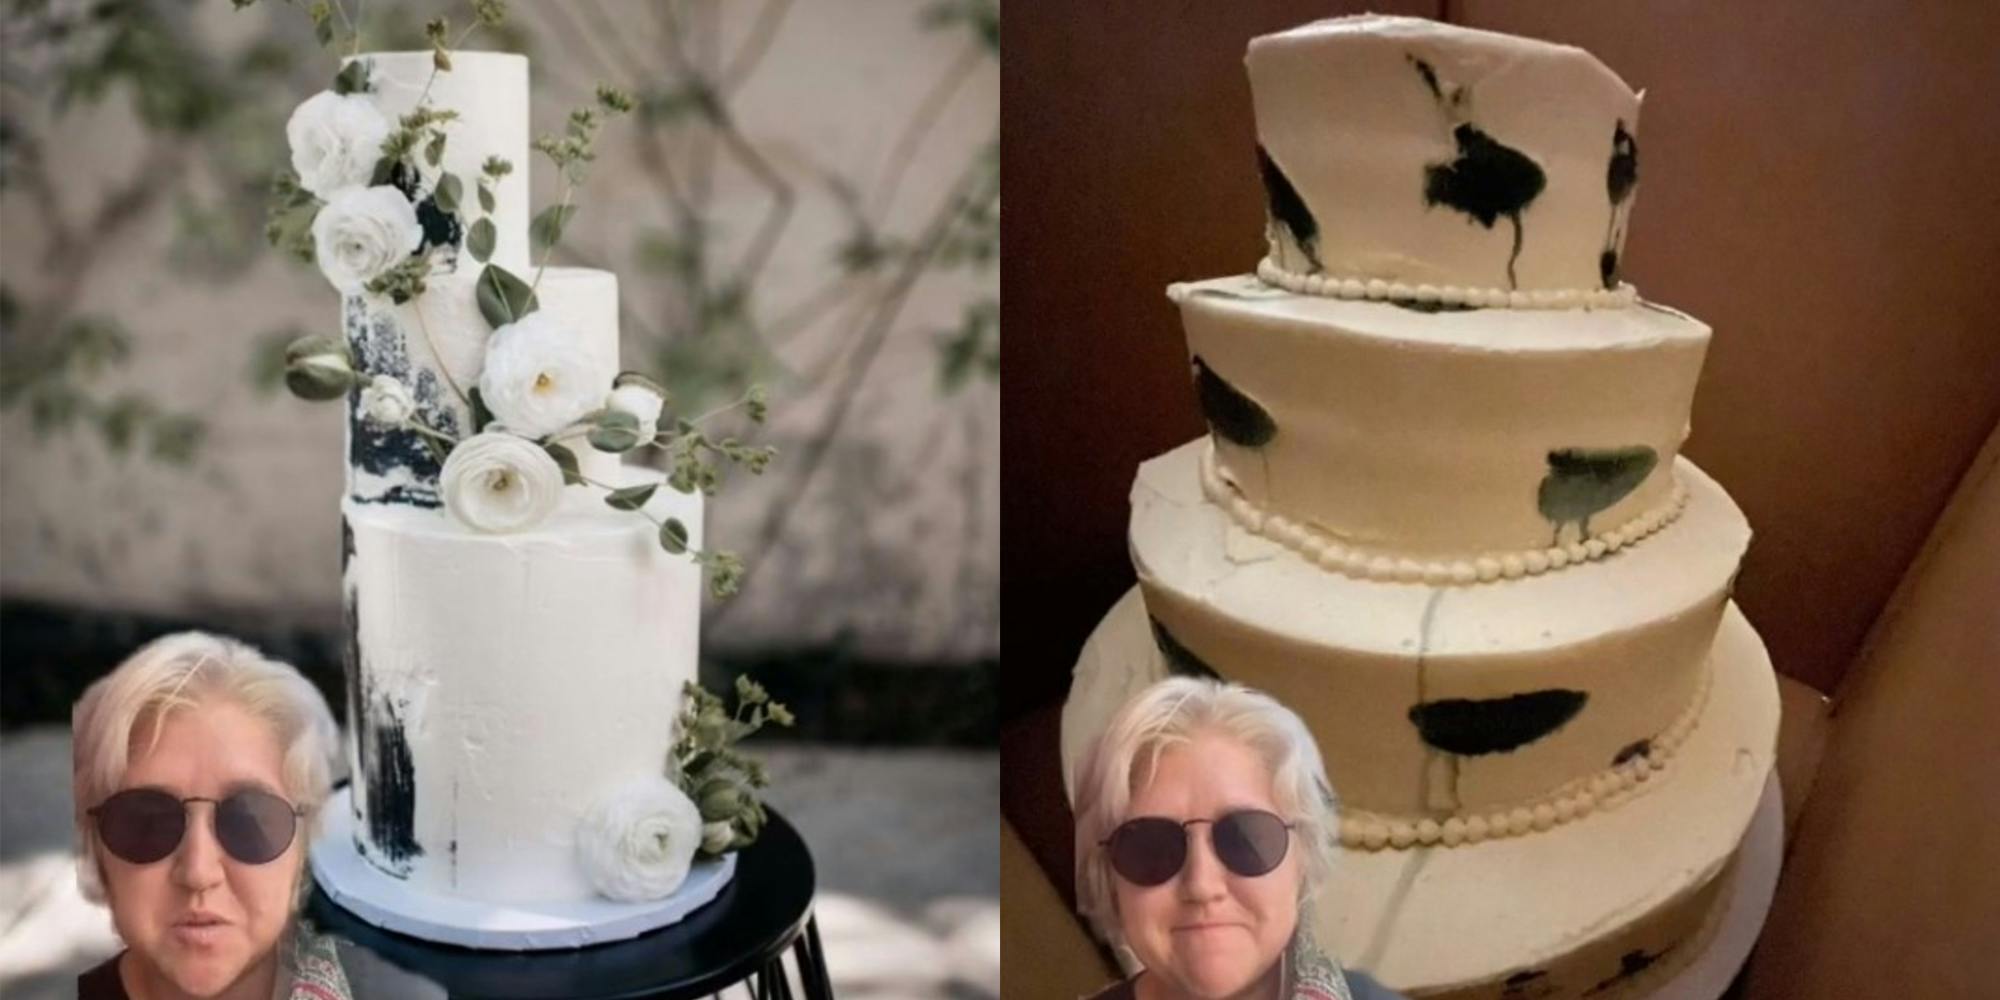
(1658, 891)
(391, 903)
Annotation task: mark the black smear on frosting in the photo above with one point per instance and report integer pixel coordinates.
(1583, 481)
(1623, 173)
(1287, 208)
(1519, 985)
(1233, 416)
(1620, 176)
(1418, 305)
(1637, 748)
(379, 349)
(441, 228)
(346, 544)
(392, 786)
(1629, 964)
(1181, 661)
(1472, 727)
(1487, 180)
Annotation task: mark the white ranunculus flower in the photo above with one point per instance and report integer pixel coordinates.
(643, 402)
(500, 483)
(537, 378)
(387, 401)
(335, 139)
(363, 232)
(638, 843)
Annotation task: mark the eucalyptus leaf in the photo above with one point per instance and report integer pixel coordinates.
(614, 439)
(448, 189)
(441, 59)
(547, 229)
(503, 298)
(631, 497)
(353, 78)
(481, 415)
(486, 202)
(566, 460)
(480, 239)
(674, 536)
(434, 150)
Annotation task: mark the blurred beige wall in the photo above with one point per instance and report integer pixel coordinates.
(892, 545)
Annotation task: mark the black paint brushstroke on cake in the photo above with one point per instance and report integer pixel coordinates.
(1473, 727)
(1233, 416)
(1629, 964)
(1432, 306)
(378, 348)
(1288, 209)
(1620, 176)
(392, 786)
(1584, 481)
(1488, 179)
(441, 228)
(1181, 661)
(1637, 748)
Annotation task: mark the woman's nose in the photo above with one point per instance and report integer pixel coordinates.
(1202, 876)
(198, 861)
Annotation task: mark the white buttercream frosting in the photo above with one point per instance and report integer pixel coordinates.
(1417, 153)
(532, 675)
(1428, 436)
(489, 92)
(638, 842)
(1628, 634)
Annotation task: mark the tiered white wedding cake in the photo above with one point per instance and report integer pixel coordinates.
(1442, 514)
(530, 767)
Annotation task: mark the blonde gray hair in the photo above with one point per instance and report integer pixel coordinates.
(1173, 712)
(181, 671)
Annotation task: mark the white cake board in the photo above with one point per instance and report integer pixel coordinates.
(1708, 976)
(393, 904)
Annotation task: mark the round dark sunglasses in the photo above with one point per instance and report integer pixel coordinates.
(143, 825)
(1149, 850)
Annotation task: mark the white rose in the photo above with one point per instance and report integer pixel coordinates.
(387, 401)
(638, 843)
(336, 139)
(643, 402)
(537, 379)
(500, 483)
(363, 232)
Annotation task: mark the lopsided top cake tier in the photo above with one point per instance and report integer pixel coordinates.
(1435, 375)
(1405, 158)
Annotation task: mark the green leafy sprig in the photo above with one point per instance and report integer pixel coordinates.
(697, 462)
(705, 762)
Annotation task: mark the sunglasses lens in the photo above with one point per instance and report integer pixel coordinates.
(254, 827)
(1251, 843)
(141, 825)
(1149, 850)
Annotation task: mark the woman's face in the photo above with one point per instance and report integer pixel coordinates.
(206, 751)
(1207, 931)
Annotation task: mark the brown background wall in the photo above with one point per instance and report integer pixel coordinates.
(1819, 182)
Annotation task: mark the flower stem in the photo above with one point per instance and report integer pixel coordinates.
(426, 430)
(568, 190)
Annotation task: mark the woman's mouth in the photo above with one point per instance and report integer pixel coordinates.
(200, 929)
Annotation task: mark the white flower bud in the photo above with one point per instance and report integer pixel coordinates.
(387, 401)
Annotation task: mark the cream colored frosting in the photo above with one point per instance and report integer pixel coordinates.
(1629, 633)
(1428, 435)
(1557, 911)
(1348, 117)
(489, 91)
(438, 340)
(531, 675)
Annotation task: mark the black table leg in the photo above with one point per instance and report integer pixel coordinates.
(812, 963)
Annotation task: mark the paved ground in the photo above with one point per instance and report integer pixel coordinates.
(906, 844)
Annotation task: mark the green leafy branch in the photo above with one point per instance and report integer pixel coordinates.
(705, 762)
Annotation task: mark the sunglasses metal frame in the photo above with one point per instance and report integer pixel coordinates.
(1187, 836)
(298, 812)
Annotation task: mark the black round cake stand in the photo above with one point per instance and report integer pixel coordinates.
(742, 935)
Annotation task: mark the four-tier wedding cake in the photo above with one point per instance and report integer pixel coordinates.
(1441, 513)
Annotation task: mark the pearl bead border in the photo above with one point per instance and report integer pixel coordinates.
(1329, 553)
(1601, 792)
(1328, 286)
